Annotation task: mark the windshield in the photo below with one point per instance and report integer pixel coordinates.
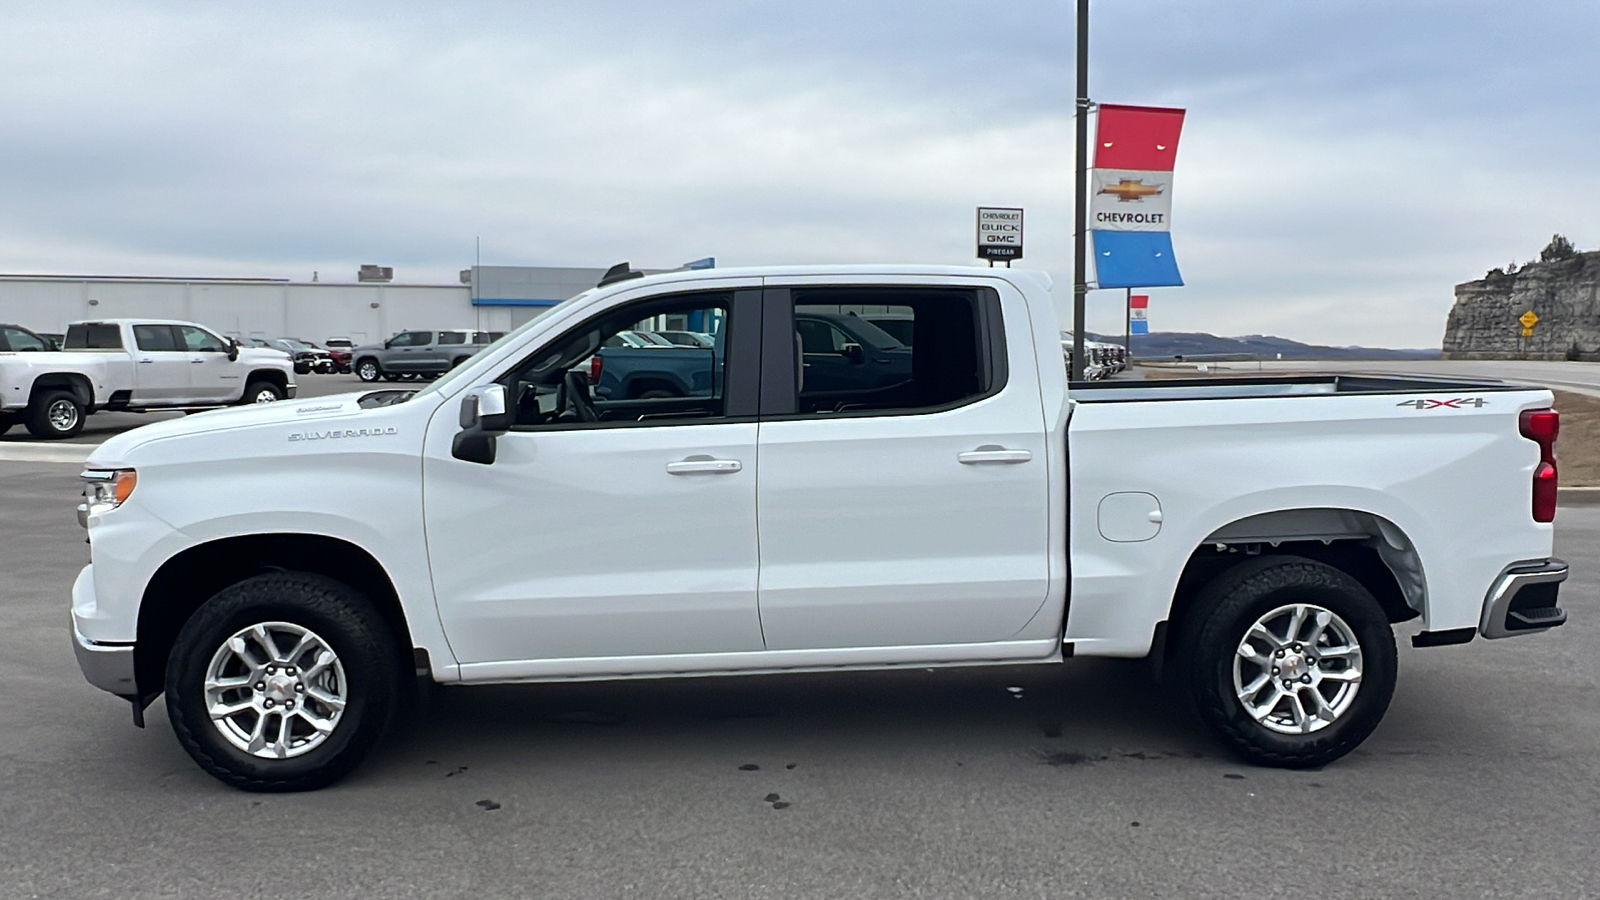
(448, 380)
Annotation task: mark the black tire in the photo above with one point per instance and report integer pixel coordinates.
(351, 628)
(256, 392)
(6, 421)
(1230, 605)
(458, 361)
(55, 415)
(367, 369)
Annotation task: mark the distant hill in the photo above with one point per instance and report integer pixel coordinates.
(1167, 344)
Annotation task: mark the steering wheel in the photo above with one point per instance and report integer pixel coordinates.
(574, 395)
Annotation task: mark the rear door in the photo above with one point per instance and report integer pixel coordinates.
(913, 513)
(161, 364)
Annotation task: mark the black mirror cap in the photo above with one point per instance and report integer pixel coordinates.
(473, 446)
(855, 353)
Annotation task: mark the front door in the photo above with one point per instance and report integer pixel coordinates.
(603, 528)
(908, 513)
(405, 352)
(213, 378)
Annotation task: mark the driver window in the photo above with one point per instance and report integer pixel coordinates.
(608, 371)
(195, 339)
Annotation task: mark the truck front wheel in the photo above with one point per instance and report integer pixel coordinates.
(367, 370)
(1291, 661)
(262, 392)
(54, 415)
(283, 682)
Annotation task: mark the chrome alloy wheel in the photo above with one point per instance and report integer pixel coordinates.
(368, 371)
(63, 415)
(266, 395)
(1298, 669)
(275, 690)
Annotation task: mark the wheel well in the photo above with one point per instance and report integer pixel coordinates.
(64, 381)
(367, 358)
(637, 386)
(1368, 548)
(272, 376)
(194, 576)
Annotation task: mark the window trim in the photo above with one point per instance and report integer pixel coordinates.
(780, 398)
(741, 353)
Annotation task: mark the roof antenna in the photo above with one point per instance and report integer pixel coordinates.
(618, 272)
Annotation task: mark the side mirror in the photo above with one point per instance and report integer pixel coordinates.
(484, 417)
(854, 353)
(233, 349)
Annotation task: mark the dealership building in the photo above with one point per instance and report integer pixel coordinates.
(489, 298)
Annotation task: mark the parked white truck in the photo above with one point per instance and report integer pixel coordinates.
(136, 365)
(283, 573)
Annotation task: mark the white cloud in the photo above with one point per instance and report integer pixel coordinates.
(1341, 170)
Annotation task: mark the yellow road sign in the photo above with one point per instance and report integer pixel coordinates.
(1529, 319)
(1527, 332)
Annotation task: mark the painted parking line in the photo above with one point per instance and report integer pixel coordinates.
(48, 453)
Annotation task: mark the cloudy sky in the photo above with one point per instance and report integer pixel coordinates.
(1344, 162)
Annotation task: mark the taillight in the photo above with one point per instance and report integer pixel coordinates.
(595, 365)
(1541, 426)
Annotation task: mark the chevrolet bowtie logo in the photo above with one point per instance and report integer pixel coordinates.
(1131, 189)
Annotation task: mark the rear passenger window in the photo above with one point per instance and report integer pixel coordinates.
(939, 353)
(452, 337)
(95, 336)
(155, 338)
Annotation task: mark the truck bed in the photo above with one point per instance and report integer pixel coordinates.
(1278, 386)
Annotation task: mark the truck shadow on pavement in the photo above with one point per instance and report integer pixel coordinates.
(1083, 712)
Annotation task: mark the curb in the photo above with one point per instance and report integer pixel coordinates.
(1578, 496)
(46, 453)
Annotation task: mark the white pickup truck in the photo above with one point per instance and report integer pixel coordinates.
(136, 365)
(284, 573)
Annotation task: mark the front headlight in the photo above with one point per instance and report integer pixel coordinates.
(105, 490)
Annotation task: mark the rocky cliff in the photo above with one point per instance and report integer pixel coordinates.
(1564, 294)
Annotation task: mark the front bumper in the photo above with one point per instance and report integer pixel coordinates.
(108, 667)
(1523, 600)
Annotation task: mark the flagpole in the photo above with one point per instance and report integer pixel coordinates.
(1127, 324)
(1080, 287)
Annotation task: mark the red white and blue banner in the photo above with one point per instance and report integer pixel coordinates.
(1130, 207)
(1138, 309)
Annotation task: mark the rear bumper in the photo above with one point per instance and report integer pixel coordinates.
(1523, 600)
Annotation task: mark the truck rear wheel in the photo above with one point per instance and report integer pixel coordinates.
(1291, 661)
(283, 682)
(55, 415)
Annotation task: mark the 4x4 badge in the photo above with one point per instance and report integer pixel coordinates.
(1452, 403)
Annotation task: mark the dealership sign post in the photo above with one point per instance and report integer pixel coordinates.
(999, 234)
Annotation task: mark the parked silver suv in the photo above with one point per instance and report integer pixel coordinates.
(424, 354)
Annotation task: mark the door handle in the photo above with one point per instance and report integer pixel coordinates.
(990, 454)
(704, 465)
(146, 362)
(197, 362)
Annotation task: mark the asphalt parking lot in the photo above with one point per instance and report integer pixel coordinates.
(1082, 780)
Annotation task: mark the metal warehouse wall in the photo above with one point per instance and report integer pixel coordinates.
(307, 310)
